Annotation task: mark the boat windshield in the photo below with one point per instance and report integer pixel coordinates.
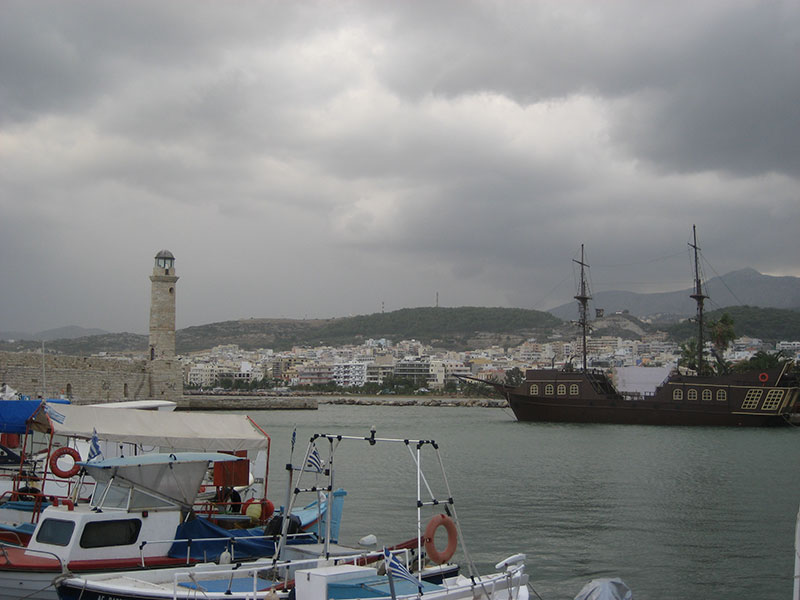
(122, 496)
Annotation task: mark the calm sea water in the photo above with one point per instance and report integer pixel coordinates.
(677, 513)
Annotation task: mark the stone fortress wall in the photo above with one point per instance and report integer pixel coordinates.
(81, 379)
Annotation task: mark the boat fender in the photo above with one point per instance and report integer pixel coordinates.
(510, 562)
(253, 513)
(258, 511)
(63, 451)
(452, 539)
(763, 378)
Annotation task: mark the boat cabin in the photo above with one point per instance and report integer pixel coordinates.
(135, 510)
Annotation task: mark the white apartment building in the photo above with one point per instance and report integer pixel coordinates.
(350, 374)
(202, 374)
(436, 374)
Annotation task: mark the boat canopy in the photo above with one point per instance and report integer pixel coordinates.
(201, 432)
(176, 476)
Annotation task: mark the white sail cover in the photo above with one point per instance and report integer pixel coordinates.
(203, 432)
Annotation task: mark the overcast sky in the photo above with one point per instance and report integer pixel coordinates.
(324, 159)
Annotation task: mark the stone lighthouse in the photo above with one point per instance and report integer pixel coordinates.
(162, 307)
(166, 382)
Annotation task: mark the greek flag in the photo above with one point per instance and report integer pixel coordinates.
(398, 569)
(314, 462)
(54, 414)
(94, 447)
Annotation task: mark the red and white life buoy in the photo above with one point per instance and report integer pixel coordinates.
(65, 473)
(763, 378)
(452, 539)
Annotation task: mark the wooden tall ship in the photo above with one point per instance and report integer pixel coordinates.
(754, 399)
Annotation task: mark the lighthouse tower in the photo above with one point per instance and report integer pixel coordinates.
(163, 367)
(162, 307)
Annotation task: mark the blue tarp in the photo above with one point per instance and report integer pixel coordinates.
(247, 543)
(14, 414)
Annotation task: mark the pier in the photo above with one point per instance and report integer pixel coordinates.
(245, 402)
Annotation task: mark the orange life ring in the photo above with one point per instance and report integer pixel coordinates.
(452, 538)
(59, 472)
(763, 378)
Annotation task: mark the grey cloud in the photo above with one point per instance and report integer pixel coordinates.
(319, 158)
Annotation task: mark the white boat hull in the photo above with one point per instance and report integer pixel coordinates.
(29, 585)
(213, 582)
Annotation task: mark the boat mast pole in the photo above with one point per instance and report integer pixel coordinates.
(698, 297)
(583, 298)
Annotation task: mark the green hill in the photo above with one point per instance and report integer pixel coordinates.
(450, 328)
(768, 324)
(461, 328)
(454, 328)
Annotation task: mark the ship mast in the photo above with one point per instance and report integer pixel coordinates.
(698, 297)
(583, 298)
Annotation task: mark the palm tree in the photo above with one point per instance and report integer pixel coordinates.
(721, 334)
(514, 377)
(688, 356)
(761, 361)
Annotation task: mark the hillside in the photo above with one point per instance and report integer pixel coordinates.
(447, 328)
(767, 324)
(744, 287)
(451, 328)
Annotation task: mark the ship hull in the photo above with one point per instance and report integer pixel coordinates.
(634, 412)
(759, 399)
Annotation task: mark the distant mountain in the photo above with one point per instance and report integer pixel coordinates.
(737, 288)
(60, 333)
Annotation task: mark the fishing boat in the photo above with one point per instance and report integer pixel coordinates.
(140, 516)
(758, 398)
(53, 436)
(330, 570)
(143, 512)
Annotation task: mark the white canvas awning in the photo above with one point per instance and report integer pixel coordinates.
(176, 476)
(204, 432)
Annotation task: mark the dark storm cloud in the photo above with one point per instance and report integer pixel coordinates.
(710, 85)
(319, 158)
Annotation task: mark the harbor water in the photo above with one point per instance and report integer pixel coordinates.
(676, 512)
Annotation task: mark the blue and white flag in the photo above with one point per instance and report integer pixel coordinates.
(398, 569)
(94, 447)
(315, 462)
(54, 414)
